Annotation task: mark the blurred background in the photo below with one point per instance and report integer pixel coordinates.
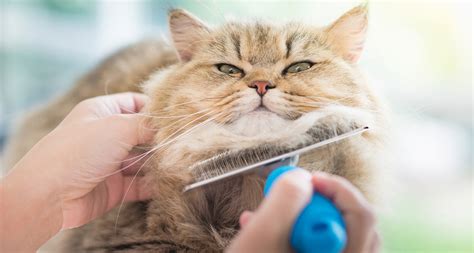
(418, 54)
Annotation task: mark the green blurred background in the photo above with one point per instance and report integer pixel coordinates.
(418, 54)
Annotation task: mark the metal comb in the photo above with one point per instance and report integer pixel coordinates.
(262, 167)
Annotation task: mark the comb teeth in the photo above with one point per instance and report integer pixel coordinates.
(233, 159)
(230, 160)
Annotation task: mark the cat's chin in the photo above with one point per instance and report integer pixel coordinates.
(261, 114)
(258, 122)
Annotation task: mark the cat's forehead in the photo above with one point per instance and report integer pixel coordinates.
(260, 42)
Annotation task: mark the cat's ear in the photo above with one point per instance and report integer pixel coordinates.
(346, 36)
(186, 31)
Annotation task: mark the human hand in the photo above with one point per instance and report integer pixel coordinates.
(268, 228)
(93, 144)
(75, 173)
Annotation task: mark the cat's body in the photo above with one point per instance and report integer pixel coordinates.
(201, 105)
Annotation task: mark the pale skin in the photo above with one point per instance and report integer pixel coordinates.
(77, 173)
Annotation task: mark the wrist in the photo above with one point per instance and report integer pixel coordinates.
(30, 199)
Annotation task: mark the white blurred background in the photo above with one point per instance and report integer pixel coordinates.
(418, 54)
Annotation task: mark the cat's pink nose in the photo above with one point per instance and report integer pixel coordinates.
(261, 86)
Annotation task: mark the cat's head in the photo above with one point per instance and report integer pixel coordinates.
(254, 79)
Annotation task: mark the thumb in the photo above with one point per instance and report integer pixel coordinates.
(130, 129)
(270, 226)
(285, 201)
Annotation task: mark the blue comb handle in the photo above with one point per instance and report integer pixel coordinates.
(319, 227)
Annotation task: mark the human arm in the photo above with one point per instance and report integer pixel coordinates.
(68, 178)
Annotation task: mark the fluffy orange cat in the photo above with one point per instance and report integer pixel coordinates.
(231, 87)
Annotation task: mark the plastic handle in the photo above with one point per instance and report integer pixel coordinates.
(319, 227)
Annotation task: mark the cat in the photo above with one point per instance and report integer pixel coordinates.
(235, 86)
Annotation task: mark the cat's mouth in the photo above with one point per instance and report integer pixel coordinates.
(262, 109)
(262, 112)
(258, 121)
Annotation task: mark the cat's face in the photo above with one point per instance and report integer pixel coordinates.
(253, 78)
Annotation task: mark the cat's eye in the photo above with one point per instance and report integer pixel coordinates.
(230, 70)
(298, 67)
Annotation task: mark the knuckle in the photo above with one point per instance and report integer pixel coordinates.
(367, 215)
(342, 182)
(86, 103)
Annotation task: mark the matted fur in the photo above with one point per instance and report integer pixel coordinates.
(200, 111)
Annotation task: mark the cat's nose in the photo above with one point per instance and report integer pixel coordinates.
(261, 86)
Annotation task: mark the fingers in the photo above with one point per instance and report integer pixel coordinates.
(134, 163)
(120, 189)
(116, 117)
(131, 129)
(289, 195)
(357, 212)
(134, 189)
(124, 188)
(124, 103)
(375, 243)
(269, 228)
(345, 196)
(139, 101)
(129, 102)
(121, 103)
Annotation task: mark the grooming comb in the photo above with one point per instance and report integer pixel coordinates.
(261, 160)
(320, 226)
